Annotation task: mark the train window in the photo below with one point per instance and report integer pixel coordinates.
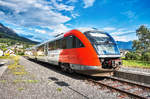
(74, 42)
(50, 46)
(54, 45)
(64, 45)
(58, 44)
(69, 42)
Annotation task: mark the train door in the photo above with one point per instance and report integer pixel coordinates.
(52, 53)
(46, 52)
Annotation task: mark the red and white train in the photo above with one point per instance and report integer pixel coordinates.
(86, 51)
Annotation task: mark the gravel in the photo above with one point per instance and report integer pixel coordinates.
(48, 82)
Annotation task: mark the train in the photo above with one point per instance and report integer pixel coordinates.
(86, 50)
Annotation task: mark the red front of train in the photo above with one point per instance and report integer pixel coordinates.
(96, 53)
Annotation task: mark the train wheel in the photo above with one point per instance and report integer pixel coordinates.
(66, 68)
(70, 70)
(63, 67)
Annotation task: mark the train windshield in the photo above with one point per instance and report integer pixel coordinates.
(103, 43)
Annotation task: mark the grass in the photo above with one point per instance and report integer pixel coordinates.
(3, 81)
(136, 63)
(25, 81)
(4, 57)
(16, 68)
(20, 89)
(59, 89)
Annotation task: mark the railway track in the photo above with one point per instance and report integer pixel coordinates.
(126, 88)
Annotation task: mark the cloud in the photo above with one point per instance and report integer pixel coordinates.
(40, 31)
(58, 29)
(61, 6)
(129, 14)
(108, 28)
(36, 13)
(125, 38)
(123, 34)
(72, 1)
(31, 13)
(88, 3)
(118, 38)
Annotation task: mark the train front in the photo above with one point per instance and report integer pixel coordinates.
(106, 49)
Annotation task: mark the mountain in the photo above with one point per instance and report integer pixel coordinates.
(125, 45)
(7, 34)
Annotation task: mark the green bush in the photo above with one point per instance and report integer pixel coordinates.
(146, 56)
(132, 56)
(20, 53)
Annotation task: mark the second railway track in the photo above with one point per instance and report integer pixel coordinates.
(126, 88)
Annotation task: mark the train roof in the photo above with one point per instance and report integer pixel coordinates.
(83, 30)
(61, 35)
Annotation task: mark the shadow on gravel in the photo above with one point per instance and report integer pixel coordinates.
(62, 83)
(1, 65)
(53, 78)
(58, 70)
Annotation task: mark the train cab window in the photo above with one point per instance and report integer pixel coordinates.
(77, 43)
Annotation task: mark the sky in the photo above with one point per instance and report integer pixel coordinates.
(40, 20)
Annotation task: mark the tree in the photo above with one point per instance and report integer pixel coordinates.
(142, 45)
(132, 56)
(143, 42)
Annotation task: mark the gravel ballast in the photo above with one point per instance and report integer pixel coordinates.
(47, 82)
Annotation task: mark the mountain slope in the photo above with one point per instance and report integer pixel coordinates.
(8, 34)
(125, 45)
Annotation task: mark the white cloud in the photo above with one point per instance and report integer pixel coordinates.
(40, 31)
(61, 6)
(58, 29)
(88, 3)
(72, 1)
(32, 13)
(74, 15)
(130, 14)
(108, 28)
(122, 32)
(124, 38)
(118, 38)
(36, 13)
